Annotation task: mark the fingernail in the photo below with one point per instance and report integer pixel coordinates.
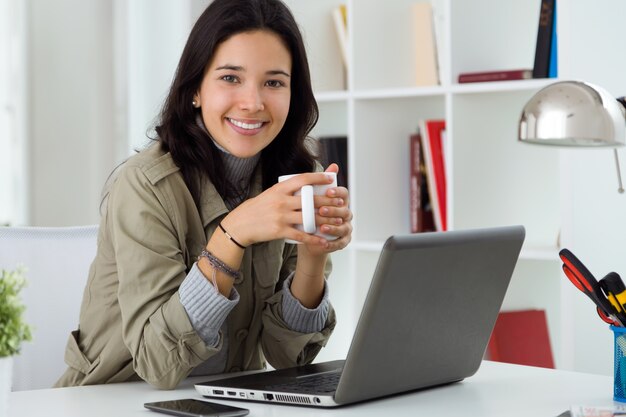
(332, 192)
(325, 211)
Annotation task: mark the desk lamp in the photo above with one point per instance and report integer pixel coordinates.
(576, 114)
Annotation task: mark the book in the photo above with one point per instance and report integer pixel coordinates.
(597, 410)
(432, 133)
(504, 75)
(544, 39)
(335, 149)
(553, 61)
(426, 61)
(521, 337)
(340, 20)
(420, 209)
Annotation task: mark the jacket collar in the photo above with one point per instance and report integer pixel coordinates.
(212, 205)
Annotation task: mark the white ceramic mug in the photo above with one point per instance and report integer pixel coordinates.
(306, 194)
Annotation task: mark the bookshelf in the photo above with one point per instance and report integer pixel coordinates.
(493, 180)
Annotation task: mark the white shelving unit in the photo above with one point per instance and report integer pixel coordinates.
(493, 179)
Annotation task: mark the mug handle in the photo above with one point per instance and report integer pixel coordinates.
(308, 209)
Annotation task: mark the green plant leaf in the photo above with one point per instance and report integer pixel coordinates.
(13, 330)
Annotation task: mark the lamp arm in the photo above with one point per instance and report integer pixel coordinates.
(620, 189)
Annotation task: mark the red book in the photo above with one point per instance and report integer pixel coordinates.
(432, 132)
(521, 337)
(486, 76)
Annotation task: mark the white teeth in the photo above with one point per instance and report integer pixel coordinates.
(246, 125)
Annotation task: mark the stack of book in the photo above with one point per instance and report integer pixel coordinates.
(335, 149)
(427, 194)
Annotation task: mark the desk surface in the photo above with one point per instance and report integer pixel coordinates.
(497, 389)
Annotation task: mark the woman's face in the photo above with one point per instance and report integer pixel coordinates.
(245, 93)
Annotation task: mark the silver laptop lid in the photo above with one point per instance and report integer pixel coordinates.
(430, 310)
(426, 320)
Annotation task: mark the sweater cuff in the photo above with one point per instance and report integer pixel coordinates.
(300, 318)
(206, 307)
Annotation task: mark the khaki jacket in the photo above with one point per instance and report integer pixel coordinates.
(132, 324)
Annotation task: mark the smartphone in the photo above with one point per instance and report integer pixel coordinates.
(189, 407)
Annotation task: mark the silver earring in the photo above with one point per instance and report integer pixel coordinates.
(194, 103)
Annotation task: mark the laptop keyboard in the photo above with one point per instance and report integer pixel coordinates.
(321, 383)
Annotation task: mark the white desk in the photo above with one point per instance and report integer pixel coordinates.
(496, 390)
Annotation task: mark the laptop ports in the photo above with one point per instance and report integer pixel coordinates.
(218, 392)
(269, 397)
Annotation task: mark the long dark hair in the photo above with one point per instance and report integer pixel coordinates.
(192, 150)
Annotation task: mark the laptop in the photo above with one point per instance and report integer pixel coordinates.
(428, 315)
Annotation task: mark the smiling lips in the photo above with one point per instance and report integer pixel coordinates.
(245, 128)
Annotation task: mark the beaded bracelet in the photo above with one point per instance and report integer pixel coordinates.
(216, 263)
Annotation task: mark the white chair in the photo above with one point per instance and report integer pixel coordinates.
(57, 261)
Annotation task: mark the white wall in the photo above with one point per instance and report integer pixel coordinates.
(13, 169)
(70, 111)
(157, 31)
(594, 214)
(99, 71)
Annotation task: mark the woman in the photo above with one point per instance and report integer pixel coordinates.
(192, 273)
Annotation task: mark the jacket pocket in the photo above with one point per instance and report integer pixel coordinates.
(75, 358)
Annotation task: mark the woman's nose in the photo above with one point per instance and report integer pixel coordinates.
(251, 99)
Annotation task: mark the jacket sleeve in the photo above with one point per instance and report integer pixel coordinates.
(151, 266)
(282, 346)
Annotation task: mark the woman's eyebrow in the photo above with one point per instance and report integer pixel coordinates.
(230, 67)
(278, 72)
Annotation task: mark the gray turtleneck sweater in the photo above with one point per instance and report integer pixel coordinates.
(208, 309)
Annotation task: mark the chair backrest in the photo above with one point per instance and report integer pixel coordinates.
(56, 262)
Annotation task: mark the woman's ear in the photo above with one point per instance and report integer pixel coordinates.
(196, 101)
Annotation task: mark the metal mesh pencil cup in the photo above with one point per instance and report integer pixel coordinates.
(619, 364)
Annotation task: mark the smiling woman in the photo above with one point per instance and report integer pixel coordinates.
(193, 274)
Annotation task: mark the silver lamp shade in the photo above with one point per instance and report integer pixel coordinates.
(573, 113)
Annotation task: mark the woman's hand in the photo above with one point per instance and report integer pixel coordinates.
(273, 213)
(333, 217)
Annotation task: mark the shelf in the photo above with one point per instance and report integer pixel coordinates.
(331, 96)
(390, 93)
(536, 253)
(367, 245)
(501, 86)
(492, 179)
(540, 253)
(468, 88)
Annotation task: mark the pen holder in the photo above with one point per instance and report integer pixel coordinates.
(619, 365)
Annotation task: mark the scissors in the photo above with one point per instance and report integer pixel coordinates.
(613, 286)
(582, 279)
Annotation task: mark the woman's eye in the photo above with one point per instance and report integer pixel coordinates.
(275, 83)
(229, 78)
